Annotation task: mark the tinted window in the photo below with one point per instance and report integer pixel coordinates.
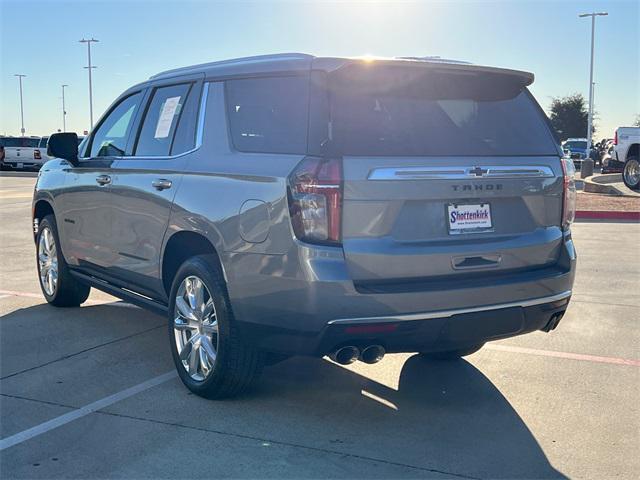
(268, 114)
(43, 142)
(185, 138)
(20, 142)
(111, 137)
(403, 111)
(161, 120)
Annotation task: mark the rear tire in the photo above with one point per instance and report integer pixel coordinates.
(631, 173)
(210, 356)
(451, 354)
(58, 286)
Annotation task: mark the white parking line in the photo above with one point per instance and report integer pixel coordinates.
(83, 412)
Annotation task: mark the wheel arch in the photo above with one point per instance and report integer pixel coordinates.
(41, 208)
(179, 247)
(633, 151)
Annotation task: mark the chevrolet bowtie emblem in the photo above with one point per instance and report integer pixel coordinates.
(478, 171)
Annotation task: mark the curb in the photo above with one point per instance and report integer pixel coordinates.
(593, 187)
(607, 215)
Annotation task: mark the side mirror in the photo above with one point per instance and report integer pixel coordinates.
(64, 145)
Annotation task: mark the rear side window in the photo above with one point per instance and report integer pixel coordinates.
(268, 115)
(399, 111)
(185, 137)
(111, 136)
(161, 120)
(43, 142)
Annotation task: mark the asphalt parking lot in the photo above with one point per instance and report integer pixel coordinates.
(90, 392)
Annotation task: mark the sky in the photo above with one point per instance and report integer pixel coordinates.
(140, 38)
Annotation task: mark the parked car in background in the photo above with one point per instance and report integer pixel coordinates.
(627, 151)
(42, 150)
(289, 204)
(610, 164)
(21, 153)
(577, 148)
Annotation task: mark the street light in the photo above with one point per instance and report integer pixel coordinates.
(590, 116)
(90, 67)
(64, 111)
(20, 76)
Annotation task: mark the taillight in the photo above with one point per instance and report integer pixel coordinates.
(615, 138)
(315, 200)
(36, 155)
(569, 193)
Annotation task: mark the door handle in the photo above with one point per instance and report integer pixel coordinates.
(161, 184)
(103, 179)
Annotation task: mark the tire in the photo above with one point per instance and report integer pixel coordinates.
(451, 354)
(631, 173)
(58, 286)
(204, 320)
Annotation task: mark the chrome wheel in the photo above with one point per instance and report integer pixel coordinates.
(48, 261)
(195, 328)
(632, 172)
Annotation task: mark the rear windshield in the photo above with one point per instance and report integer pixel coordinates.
(400, 111)
(20, 142)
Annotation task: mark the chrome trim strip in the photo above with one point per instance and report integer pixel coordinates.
(461, 172)
(201, 114)
(450, 313)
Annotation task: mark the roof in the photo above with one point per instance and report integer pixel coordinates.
(291, 62)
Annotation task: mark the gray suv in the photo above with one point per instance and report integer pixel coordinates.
(295, 205)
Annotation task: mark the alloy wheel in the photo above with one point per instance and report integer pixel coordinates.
(632, 172)
(195, 328)
(48, 261)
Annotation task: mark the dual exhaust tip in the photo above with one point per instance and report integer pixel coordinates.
(349, 354)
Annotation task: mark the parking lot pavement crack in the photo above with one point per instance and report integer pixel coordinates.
(291, 445)
(44, 402)
(71, 355)
(611, 304)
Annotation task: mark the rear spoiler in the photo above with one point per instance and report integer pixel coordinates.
(330, 64)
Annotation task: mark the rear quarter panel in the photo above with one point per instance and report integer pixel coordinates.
(237, 200)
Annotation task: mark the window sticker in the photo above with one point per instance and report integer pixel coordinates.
(166, 117)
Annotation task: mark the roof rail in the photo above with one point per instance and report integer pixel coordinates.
(254, 59)
(435, 59)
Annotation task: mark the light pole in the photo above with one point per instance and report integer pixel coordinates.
(90, 67)
(64, 111)
(593, 33)
(20, 76)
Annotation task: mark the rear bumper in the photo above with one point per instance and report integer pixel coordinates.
(451, 331)
(27, 164)
(306, 303)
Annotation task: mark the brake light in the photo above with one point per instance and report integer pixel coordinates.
(36, 155)
(569, 193)
(315, 200)
(615, 138)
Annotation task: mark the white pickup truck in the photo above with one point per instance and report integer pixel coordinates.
(627, 150)
(23, 152)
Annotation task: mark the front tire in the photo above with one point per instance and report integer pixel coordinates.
(208, 352)
(58, 286)
(451, 354)
(631, 173)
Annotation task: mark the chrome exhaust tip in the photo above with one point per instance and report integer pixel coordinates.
(372, 354)
(345, 355)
